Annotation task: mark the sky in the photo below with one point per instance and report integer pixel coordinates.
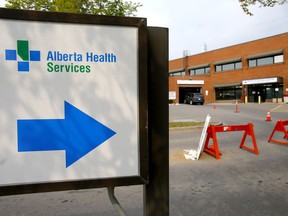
(216, 23)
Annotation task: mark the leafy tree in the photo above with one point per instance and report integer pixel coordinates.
(263, 3)
(99, 7)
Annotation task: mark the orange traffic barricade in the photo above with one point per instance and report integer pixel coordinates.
(213, 129)
(279, 127)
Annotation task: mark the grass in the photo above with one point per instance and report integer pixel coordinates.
(185, 124)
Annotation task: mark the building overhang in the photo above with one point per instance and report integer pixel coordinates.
(226, 61)
(198, 66)
(177, 70)
(227, 84)
(270, 53)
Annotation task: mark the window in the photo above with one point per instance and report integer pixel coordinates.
(228, 66)
(252, 63)
(178, 73)
(238, 65)
(267, 60)
(278, 59)
(199, 71)
(218, 68)
(228, 93)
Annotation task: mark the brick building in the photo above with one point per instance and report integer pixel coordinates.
(256, 71)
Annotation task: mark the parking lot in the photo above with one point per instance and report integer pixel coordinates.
(239, 184)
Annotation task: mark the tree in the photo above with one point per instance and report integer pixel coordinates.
(263, 3)
(99, 7)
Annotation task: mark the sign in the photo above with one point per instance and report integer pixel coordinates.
(190, 82)
(70, 98)
(195, 154)
(260, 81)
(203, 136)
(55, 134)
(172, 95)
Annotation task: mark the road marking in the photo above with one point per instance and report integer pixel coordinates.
(283, 108)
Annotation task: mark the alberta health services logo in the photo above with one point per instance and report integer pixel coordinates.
(24, 53)
(56, 60)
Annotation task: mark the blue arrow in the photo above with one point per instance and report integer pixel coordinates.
(77, 134)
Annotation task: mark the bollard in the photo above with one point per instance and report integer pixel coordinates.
(236, 108)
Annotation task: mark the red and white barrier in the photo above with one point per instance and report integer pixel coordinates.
(280, 127)
(213, 129)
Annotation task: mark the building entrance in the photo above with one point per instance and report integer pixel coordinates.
(256, 93)
(265, 93)
(183, 91)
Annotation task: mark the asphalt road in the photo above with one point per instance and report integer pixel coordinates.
(239, 184)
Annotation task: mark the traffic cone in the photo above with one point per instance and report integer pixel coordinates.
(268, 117)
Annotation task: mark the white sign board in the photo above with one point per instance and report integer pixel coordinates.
(190, 82)
(172, 95)
(195, 154)
(259, 81)
(69, 102)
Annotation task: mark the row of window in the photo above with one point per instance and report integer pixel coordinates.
(228, 93)
(267, 92)
(265, 60)
(253, 62)
(178, 73)
(199, 71)
(228, 66)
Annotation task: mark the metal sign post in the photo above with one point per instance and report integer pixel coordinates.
(157, 191)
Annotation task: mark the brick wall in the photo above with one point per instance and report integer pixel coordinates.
(244, 50)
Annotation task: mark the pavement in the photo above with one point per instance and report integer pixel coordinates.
(240, 183)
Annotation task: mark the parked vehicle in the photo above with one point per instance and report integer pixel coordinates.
(194, 98)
